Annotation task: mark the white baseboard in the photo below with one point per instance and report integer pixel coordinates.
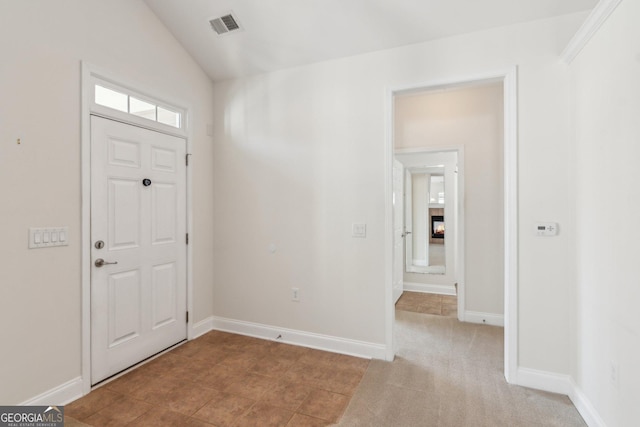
(60, 395)
(483, 318)
(302, 338)
(562, 384)
(200, 328)
(585, 408)
(430, 289)
(546, 381)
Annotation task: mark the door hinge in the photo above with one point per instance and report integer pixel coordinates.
(187, 239)
(187, 317)
(186, 159)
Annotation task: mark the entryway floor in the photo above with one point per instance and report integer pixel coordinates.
(420, 302)
(224, 379)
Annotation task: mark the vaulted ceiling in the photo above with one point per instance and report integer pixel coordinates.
(278, 34)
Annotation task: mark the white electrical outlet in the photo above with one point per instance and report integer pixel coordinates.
(295, 294)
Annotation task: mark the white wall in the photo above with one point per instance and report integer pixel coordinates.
(606, 105)
(470, 117)
(42, 43)
(299, 156)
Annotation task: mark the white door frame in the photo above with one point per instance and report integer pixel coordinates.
(88, 74)
(508, 77)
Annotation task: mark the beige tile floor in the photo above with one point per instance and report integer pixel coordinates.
(419, 302)
(223, 379)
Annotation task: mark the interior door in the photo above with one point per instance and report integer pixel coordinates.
(398, 230)
(408, 219)
(138, 230)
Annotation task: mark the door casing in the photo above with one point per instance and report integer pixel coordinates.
(88, 73)
(508, 77)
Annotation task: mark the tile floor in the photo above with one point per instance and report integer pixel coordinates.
(419, 302)
(223, 379)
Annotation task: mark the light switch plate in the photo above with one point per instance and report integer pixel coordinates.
(55, 236)
(359, 230)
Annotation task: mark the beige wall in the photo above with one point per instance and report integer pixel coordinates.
(472, 118)
(42, 44)
(606, 107)
(299, 156)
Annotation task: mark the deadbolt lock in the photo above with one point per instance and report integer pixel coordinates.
(99, 244)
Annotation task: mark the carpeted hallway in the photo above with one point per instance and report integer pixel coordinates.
(450, 374)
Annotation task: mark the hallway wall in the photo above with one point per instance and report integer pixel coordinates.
(606, 106)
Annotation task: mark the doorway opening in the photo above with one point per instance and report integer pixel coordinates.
(432, 192)
(506, 165)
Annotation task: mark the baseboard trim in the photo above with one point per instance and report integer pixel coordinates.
(562, 384)
(200, 328)
(546, 381)
(589, 28)
(484, 318)
(60, 395)
(429, 288)
(305, 339)
(585, 407)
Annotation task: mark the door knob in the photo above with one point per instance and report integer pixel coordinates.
(100, 262)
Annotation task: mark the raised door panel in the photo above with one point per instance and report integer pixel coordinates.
(124, 303)
(164, 287)
(125, 214)
(164, 214)
(124, 153)
(163, 160)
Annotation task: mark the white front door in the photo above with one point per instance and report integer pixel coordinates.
(138, 227)
(398, 230)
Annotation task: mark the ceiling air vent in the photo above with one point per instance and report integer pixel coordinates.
(224, 24)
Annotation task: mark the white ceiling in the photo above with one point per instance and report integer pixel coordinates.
(286, 33)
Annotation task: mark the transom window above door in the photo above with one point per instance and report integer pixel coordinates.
(121, 99)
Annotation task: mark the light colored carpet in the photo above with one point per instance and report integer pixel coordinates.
(450, 374)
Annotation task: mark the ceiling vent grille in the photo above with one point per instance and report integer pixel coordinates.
(224, 24)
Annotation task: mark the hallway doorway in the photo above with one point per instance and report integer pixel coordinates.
(495, 303)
